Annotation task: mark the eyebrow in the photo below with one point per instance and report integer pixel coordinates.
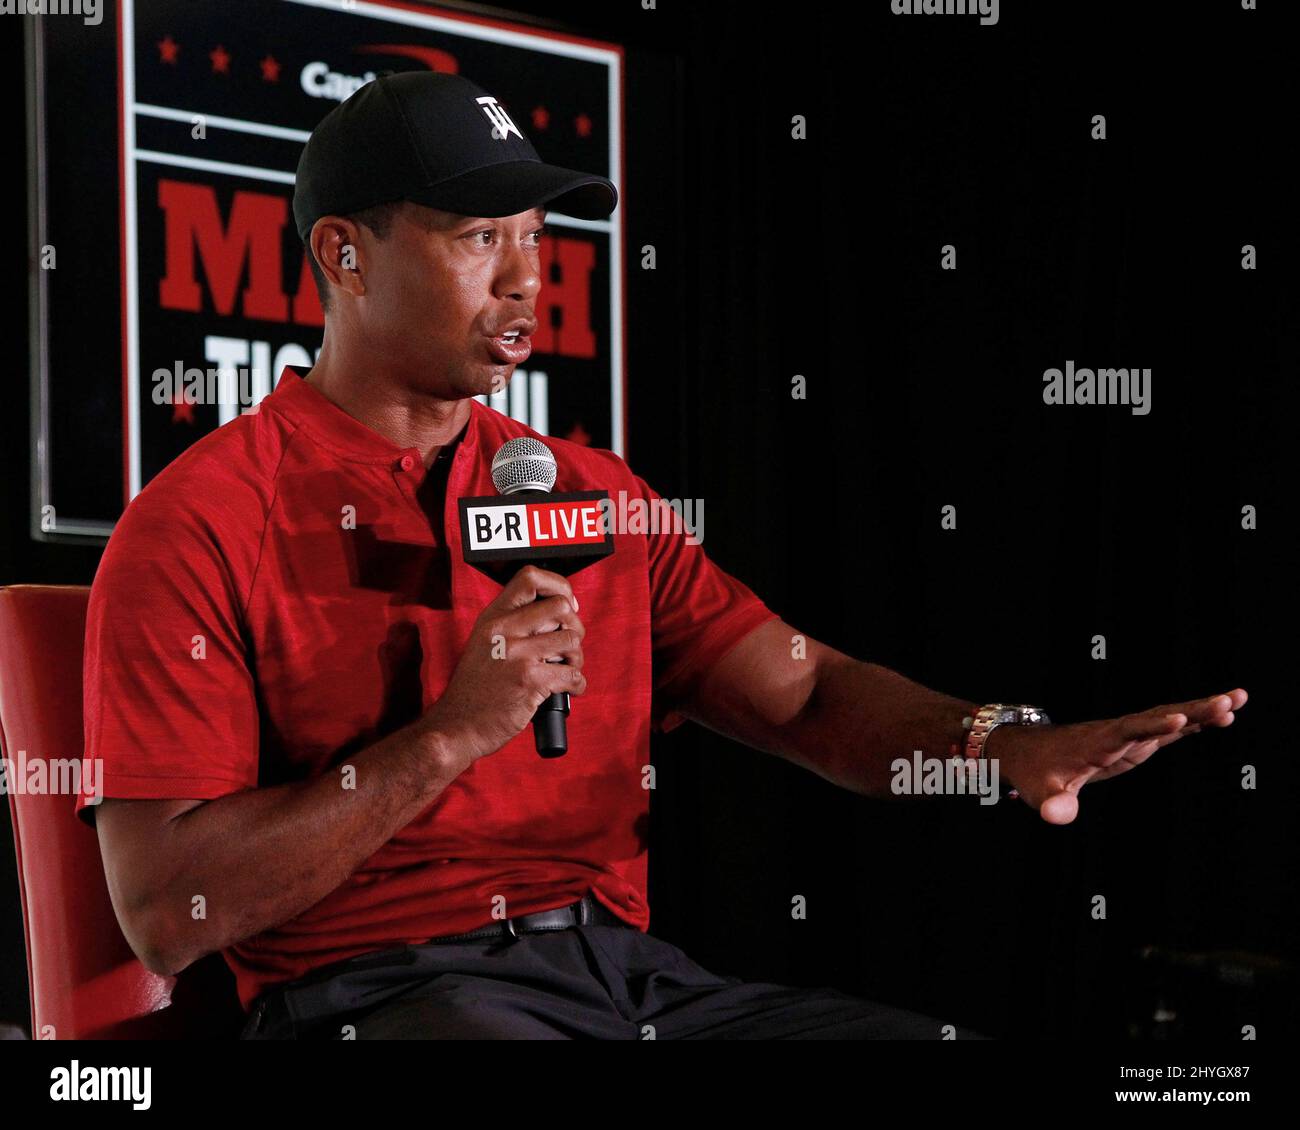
(539, 212)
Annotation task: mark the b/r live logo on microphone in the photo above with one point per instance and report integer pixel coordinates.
(499, 528)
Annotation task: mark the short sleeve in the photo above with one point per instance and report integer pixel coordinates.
(169, 701)
(698, 611)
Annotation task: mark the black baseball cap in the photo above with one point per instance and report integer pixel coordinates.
(436, 139)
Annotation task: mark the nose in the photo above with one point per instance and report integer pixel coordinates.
(518, 277)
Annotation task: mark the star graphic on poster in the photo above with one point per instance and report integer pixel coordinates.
(168, 49)
(220, 60)
(582, 124)
(579, 434)
(541, 118)
(182, 410)
(270, 69)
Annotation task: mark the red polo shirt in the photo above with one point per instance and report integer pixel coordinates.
(333, 603)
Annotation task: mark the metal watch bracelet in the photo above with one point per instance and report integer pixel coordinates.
(992, 715)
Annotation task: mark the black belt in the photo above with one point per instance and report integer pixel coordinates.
(585, 912)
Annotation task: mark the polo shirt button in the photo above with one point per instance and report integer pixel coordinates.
(408, 461)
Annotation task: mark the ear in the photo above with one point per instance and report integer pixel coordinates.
(335, 241)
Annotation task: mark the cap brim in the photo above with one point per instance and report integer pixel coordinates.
(511, 187)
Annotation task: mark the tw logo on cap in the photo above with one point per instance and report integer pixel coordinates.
(502, 126)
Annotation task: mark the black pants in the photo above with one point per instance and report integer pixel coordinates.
(582, 982)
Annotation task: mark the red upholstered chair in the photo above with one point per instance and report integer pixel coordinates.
(85, 981)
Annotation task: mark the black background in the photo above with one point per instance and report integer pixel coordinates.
(821, 257)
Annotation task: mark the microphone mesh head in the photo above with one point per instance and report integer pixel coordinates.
(523, 463)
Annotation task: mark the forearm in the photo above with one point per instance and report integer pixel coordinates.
(860, 717)
(261, 857)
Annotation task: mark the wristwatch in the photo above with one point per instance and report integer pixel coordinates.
(988, 718)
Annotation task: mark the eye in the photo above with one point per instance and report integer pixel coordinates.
(536, 232)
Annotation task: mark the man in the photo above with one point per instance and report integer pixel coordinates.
(314, 716)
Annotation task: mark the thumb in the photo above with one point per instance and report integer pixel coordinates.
(1059, 808)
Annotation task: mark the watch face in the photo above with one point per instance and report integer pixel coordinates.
(1024, 714)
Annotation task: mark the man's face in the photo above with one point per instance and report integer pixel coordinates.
(443, 289)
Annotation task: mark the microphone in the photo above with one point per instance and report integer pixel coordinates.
(524, 463)
(527, 464)
(528, 524)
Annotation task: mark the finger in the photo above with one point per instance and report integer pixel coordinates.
(1202, 709)
(1134, 756)
(1210, 710)
(1139, 752)
(1149, 725)
(565, 680)
(1059, 808)
(1218, 722)
(1168, 739)
(563, 646)
(544, 616)
(1156, 720)
(530, 583)
(1171, 727)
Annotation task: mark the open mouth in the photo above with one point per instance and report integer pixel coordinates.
(510, 348)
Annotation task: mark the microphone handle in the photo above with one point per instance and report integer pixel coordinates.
(550, 730)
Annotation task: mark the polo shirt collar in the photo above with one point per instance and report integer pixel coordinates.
(347, 437)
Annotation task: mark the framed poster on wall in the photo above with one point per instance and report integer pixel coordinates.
(164, 144)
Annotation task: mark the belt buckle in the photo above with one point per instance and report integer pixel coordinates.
(581, 911)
